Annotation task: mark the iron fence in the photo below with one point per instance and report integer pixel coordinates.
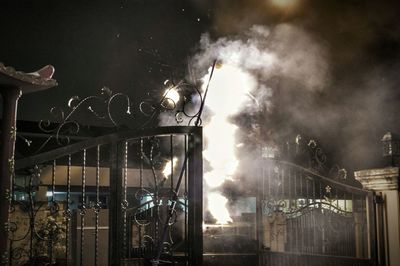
(307, 217)
(106, 201)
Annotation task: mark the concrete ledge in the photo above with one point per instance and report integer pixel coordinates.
(379, 179)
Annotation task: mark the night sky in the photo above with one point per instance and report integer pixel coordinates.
(133, 46)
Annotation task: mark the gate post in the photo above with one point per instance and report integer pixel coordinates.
(12, 85)
(195, 191)
(385, 182)
(115, 210)
(8, 130)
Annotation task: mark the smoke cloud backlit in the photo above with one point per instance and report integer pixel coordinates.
(240, 84)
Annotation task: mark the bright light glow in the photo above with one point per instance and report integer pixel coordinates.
(284, 3)
(49, 194)
(227, 94)
(172, 95)
(218, 208)
(167, 168)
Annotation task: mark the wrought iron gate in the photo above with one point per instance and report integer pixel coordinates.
(131, 198)
(308, 219)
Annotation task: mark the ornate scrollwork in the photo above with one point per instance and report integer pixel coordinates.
(38, 225)
(191, 106)
(100, 106)
(310, 154)
(270, 206)
(181, 101)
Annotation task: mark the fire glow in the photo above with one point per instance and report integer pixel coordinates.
(172, 95)
(226, 96)
(167, 171)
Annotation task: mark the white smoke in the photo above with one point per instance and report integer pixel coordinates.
(251, 64)
(284, 51)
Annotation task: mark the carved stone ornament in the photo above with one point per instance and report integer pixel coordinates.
(27, 82)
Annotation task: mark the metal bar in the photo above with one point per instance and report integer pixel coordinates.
(115, 211)
(141, 185)
(198, 120)
(53, 181)
(380, 230)
(68, 210)
(172, 161)
(31, 216)
(289, 181)
(283, 182)
(186, 196)
(259, 217)
(345, 187)
(83, 208)
(97, 208)
(174, 201)
(337, 198)
(195, 191)
(269, 182)
(195, 194)
(53, 203)
(47, 135)
(124, 196)
(371, 227)
(111, 138)
(141, 164)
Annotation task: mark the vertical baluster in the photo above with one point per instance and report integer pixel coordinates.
(290, 200)
(170, 228)
(338, 210)
(186, 198)
(354, 228)
(53, 181)
(125, 200)
(289, 181)
(320, 196)
(83, 206)
(269, 181)
(68, 210)
(141, 185)
(156, 207)
(344, 250)
(295, 199)
(97, 208)
(337, 199)
(283, 183)
(306, 235)
(172, 161)
(36, 174)
(263, 175)
(53, 210)
(364, 238)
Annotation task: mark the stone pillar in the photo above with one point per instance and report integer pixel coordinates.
(10, 97)
(385, 183)
(275, 231)
(12, 84)
(358, 221)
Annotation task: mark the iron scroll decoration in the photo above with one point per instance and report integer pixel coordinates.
(65, 124)
(187, 110)
(314, 157)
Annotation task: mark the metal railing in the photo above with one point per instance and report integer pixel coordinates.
(304, 214)
(111, 183)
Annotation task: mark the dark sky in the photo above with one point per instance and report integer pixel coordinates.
(133, 46)
(129, 46)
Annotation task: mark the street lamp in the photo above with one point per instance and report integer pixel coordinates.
(391, 146)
